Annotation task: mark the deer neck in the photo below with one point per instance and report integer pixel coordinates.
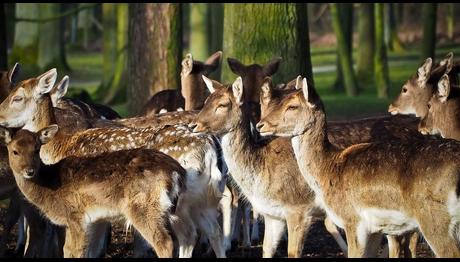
(43, 117)
(193, 91)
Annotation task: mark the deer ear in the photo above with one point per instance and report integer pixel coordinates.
(212, 62)
(60, 90)
(5, 135)
(306, 93)
(266, 89)
(209, 84)
(187, 64)
(13, 73)
(424, 72)
(47, 133)
(298, 82)
(272, 67)
(45, 82)
(444, 88)
(237, 88)
(236, 66)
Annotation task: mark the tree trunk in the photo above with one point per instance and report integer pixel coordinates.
(199, 31)
(84, 25)
(255, 33)
(25, 47)
(109, 22)
(382, 79)
(391, 32)
(429, 11)
(344, 53)
(155, 51)
(450, 20)
(365, 65)
(62, 40)
(3, 41)
(215, 29)
(345, 11)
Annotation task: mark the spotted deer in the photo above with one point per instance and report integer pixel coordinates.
(29, 106)
(346, 133)
(274, 188)
(419, 88)
(192, 93)
(377, 187)
(443, 111)
(140, 185)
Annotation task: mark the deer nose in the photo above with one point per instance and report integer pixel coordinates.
(192, 125)
(30, 172)
(259, 126)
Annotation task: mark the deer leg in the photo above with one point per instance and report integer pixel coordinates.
(208, 225)
(99, 239)
(155, 232)
(21, 242)
(255, 228)
(185, 229)
(74, 241)
(333, 230)
(411, 245)
(373, 244)
(226, 208)
(298, 225)
(356, 243)
(142, 249)
(394, 246)
(274, 228)
(246, 226)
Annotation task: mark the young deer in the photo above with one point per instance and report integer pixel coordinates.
(141, 185)
(443, 111)
(346, 133)
(29, 106)
(274, 188)
(420, 87)
(371, 188)
(192, 93)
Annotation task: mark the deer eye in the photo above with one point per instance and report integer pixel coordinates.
(404, 90)
(293, 108)
(15, 152)
(17, 99)
(429, 105)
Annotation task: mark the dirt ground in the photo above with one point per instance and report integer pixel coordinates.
(318, 244)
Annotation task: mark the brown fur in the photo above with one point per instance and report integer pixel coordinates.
(128, 183)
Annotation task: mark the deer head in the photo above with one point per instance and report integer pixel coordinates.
(24, 147)
(294, 114)
(192, 86)
(21, 104)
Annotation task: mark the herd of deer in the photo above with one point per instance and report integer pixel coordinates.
(71, 168)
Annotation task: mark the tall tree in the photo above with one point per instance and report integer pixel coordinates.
(365, 65)
(391, 31)
(450, 20)
(154, 52)
(344, 54)
(255, 33)
(382, 79)
(199, 31)
(215, 29)
(429, 11)
(3, 41)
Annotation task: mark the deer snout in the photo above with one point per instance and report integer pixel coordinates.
(392, 109)
(259, 126)
(29, 173)
(263, 127)
(197, 127)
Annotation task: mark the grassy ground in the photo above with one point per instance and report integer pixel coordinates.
(87, 72)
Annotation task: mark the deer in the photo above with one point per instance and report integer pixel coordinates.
(443, 108)
(141, 185)
(192, 92)
(274, 188)
(346, 133)
(29, 106)
(420, 87)
(415, 196)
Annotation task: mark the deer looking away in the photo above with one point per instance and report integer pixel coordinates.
(29, 106)
(389, 187)
(267, 175)
(192, 93)
(140, 185)
(419, 88)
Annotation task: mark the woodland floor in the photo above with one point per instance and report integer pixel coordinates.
(318, 244)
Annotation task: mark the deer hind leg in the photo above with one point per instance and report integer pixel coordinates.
(406, 243)
(255, 228)
(246, 226)
(274, 229)
(226, 209)
(356, 240)
(298, 225)
(333, 230)
(74, 245)
(410, 249)
(99, 239)
(184, 228)
(209, 225)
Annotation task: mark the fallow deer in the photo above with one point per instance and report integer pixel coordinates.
(274, 188)
(419, 88)
(141, 185)
(192, 93)
(389, 187)
(33, 110)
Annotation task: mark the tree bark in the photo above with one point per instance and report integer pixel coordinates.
(3, 41)
(429, 11)
(365, 63)
(344, 53)
(155, 51)
(215, 29)
(255, 33)
(25, 45)
(382, 79)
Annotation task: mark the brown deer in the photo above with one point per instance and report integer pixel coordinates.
(443, 111)
(346, 133)
(32, 110)
(419, 88)
(372, 188)
(140, 185)
(192, 93)
(274, 188)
